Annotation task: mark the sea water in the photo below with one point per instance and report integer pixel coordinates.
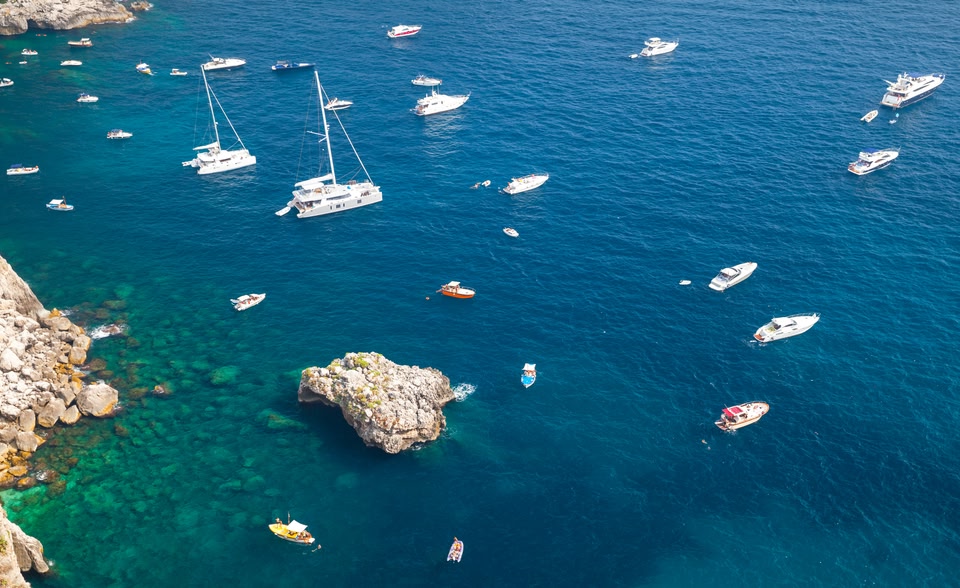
(607, 472)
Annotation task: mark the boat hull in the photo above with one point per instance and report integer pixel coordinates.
(746, 270)
(215, 164)
(324, 207)
(528, 381)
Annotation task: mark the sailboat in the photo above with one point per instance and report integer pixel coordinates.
(323, 195)
(215, 160)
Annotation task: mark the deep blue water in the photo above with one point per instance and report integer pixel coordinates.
(609, 471)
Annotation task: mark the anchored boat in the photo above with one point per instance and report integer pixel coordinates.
(741, 415)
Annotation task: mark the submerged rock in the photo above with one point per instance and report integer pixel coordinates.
(390, 406)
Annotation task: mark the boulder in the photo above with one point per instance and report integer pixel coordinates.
(70, 416)
(51, 413)
(28, 550)
(26, 441)
(97, 400)
(27, 421)
(9, 362)
(391, 406)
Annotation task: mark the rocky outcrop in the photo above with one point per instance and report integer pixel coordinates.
(16, 16)
(390, 406)
(19, 553)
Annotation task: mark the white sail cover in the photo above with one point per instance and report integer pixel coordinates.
(296, 527)
(313, 182)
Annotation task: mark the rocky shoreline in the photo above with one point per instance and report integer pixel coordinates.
(17, 16)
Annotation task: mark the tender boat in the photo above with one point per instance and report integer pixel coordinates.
(28, 52)
(84, 42)
(71, 62)
(144, 69)
(4, 82)
(404, 31)
(731, 276)
(118, 134)
(870, 116)
(910, 88)
(526, 183)
(223, 63)
(247, 301)
(741, 415)
(337, 104)
(87, 98)
(18, 169)
(786, 326)
(456, 550)
(455, 290)
(529, 375)
(510, 231)
(211, 158)
(285, 65)
(871, 160)
(436, 103)
(177, 72)
(292, 531)
(323, 195)
(60, 205)
(422, 80)
(656, 46)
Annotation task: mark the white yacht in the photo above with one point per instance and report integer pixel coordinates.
(871, 160)
(323, 195)
(84, 42)
(786, 326)
(403, 30)
(211, 159)
(910, 88)
(435, 103)
(731, 276)
(119, 134)
(69, 62)
(526, 183)
(422, 80)
(177, 72)
(4, 82)
(338, 104)
(223, 63)
(656, 46)
(87, 98)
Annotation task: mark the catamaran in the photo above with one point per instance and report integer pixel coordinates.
(323, 195)
(214, 159)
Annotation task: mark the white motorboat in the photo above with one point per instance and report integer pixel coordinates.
(144, 69)
(285, 65)
(118, 134)
(910, 88)
(59, 205)
(337, 104)
(211, 158)
(4, 82)
(435, 103)
(731, 276)
(87, 98)
(223, 63)
(247, 301)
(28, 52)
(529, 375)
(741, 415)
(870, 116)
(403, 31)
(84, 42)
(177, 72)
(656, 46)
(526, 183)
(511, 232)
(18, 169)
(422, 80)
(786, 326)
(323, 195)
(71, 62)
(870, 160)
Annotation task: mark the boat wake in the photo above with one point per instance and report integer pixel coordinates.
(104, 331)
(462, 391)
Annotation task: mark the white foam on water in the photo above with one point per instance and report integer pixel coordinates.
(461, 391)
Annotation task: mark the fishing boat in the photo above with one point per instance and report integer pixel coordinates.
(118, 134)
(510, 231)
(28, 52)
(422, 80)
(87, 98)
(223, 63)
(177, 72)
(60, 205)
(337, 104)
(285, 65)
(211, 159)
(84, 42)
(526, 183)
(71, 62)
(741, 415)
(529, 375)
(292, 531)
(403, 30)
(786, 326)
(247, 301)
(455, 290)
(4, 82)
(731, 276)
(144, 69)
(870, 116)
(435, 103)
(456, 550)
(323, 195)
(18, 169)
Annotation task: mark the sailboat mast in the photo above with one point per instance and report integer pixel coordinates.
(213, 117)
(326, 129)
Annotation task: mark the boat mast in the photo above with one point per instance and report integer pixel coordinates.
(326, 129)
(213, 117)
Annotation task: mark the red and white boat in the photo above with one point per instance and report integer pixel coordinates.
(403, 30)
(741, 415)
(247, 300)
(455, 290)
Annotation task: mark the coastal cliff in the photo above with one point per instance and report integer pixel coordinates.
(19, 553)
(390, 406)
(16, 16)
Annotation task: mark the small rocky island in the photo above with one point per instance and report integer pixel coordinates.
(16, 16)
(391, 406)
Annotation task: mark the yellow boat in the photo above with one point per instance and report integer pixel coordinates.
(292, 531)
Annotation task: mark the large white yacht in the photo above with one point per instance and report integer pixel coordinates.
(656, 46)
(435, 103)
(223, 63)
(526, 183)
(870, 160)
(731, 276)
(910, 88)
(786, 326)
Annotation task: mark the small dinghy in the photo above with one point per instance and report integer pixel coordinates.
(60, 205)
(870, 116)
(456, 550)
(529, 374)
(510, 231)
(247, 300)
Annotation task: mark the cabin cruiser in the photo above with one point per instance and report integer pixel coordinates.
(338, 104)
(4, 82)
(786, 326)
(526, 183)
(910, 88)
(403, 31)
(656, 46)
(870, 160)
(87, 98)
(422, 80)
(247, 301)
(223, 63)
(177, 72)
(71, 62)
(119, 134)
(435, 103)
(84, 42)
(741, 415)
(731, 276)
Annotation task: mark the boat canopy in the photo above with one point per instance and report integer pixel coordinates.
(529, 367)
(733, 411)
(16, 165)
(453, 284)
(296, 527)
(313, 182)
(214, 144)
(56, 202)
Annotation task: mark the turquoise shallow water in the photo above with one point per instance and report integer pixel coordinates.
(609, 471)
